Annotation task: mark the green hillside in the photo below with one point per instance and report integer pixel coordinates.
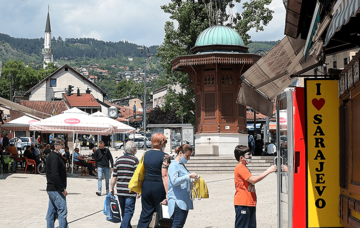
(115, 57)
(261, 45)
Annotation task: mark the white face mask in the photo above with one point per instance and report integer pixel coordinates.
(248, 160)
(62, 150)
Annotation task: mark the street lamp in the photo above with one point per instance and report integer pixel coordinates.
(145, 50)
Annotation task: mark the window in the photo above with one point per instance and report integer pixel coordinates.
(335, 65)
(345, 62)
(66, 69)
(52, 82)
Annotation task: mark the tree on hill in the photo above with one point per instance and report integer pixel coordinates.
(192, 18)
(22, 77)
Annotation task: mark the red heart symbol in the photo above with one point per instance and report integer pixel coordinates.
(318, 104)
(114, 207)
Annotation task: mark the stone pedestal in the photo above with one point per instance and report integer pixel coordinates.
(218, 144)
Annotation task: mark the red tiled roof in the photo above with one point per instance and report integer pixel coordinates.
(41, 106)
(84, 100)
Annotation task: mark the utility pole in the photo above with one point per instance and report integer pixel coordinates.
(146, 52)
(10, 87)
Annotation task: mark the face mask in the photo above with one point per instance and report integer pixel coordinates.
(62, 150)
(163, 148)
(248, 160)
(183, 160)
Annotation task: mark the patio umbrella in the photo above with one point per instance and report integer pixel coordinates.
(72, 121)
(119, 127)
(19, 124)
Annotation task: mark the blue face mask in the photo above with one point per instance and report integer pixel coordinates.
(183, 160)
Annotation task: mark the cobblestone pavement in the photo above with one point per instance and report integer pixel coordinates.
(24, 202)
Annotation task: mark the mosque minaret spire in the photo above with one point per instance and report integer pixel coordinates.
(47, 51)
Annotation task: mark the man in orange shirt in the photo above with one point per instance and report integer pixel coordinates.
(245, 194)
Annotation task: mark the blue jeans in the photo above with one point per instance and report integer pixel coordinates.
(57, 209)
(179, 217)
(127, 206)
(245, 217)
(100, 171)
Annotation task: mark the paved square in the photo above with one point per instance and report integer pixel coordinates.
(24, 202)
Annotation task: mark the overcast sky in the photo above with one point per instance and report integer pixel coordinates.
(137, 21)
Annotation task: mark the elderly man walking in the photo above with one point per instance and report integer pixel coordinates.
(125, 167)
(102, 158)
(56, 187)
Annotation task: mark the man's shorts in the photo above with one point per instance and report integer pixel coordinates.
(245, 217)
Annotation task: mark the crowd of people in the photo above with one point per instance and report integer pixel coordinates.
(167, 181)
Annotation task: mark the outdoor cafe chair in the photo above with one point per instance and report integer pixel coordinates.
(29, 162)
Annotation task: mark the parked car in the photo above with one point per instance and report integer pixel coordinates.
(25, 141)
(119, 145)
(139, 142)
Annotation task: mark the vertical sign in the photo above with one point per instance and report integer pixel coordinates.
(322, 139)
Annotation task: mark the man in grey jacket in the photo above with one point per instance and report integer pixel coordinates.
(102, 158)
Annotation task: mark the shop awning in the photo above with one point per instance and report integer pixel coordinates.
(27, 111)
(343, 12)
(269, 76)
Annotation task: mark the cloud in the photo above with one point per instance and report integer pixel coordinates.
(140, 22)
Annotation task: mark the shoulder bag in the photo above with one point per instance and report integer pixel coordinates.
(137, 179)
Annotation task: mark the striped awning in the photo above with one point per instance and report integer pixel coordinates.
(341, 16)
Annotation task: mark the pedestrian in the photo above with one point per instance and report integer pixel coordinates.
(6, 141)
(179, 194)
(50, 138)
(259, 143)
(245, 194)
(56, 188)
(271, 148)
(38, 140)
(251, 144)
(155, 185)
(19, 145)
(124, 169)
(102, 158)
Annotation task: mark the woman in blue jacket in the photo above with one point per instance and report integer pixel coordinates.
(179, 185)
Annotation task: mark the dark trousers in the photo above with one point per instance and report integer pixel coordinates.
(245, 217)
(127, 206)
(179, 217)
(153, 193)
(88, 165)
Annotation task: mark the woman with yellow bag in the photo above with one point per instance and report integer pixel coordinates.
(155, 184)
(179, 194)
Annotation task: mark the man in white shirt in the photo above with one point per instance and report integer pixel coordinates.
(271, 149)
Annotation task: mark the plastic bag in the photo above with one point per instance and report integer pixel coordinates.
(111, 209)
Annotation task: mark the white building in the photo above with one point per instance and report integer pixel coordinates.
(58, 82)
(47, 51)
(158, 94)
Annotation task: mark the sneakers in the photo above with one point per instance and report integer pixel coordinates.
(98, 193)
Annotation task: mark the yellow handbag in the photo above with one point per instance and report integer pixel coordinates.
(200, 189)
(137, 179)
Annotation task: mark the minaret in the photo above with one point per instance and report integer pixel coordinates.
(47, 51)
